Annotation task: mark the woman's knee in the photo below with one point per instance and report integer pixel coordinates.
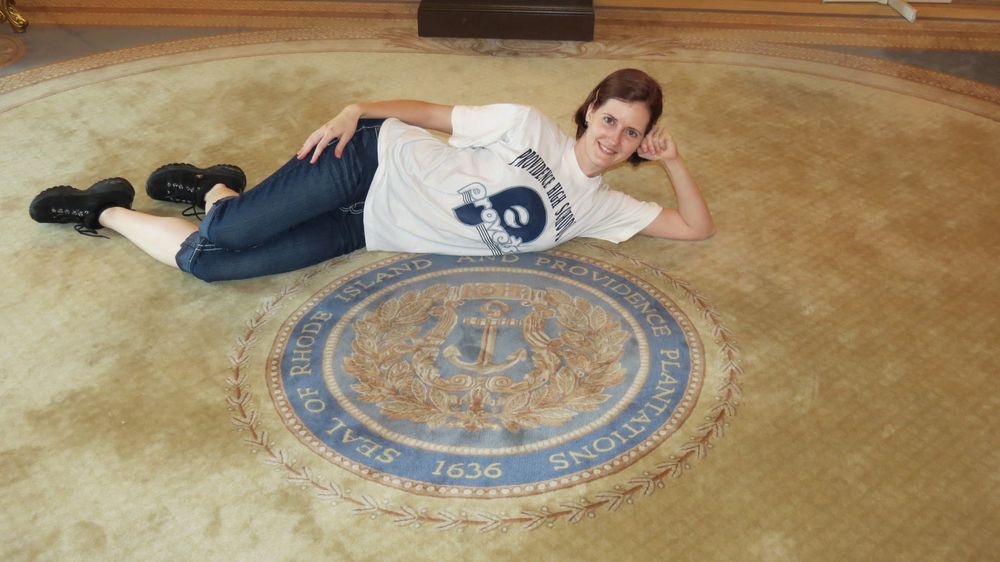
(231, 233)
(209, 276)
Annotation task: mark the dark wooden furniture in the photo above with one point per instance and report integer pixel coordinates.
(571, 20)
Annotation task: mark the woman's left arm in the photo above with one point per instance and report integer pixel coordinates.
(691, 220)
(343, 126)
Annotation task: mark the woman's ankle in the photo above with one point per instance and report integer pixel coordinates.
(218, 192)
(107, 217)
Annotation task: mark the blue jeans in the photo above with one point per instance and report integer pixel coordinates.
(302, 215)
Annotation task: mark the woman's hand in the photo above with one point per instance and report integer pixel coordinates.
(341, 127)
(691, 220)
(658, 145)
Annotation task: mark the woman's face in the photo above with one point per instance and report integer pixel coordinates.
(614, 132)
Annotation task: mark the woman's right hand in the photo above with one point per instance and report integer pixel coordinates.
(340, 127)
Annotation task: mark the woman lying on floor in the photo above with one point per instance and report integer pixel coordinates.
(507, 181)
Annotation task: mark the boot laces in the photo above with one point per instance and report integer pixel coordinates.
(180, 191)
(77, 216)
(86, 231)
(185, 193)
(193, 211)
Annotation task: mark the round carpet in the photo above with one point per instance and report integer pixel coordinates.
(851, 279)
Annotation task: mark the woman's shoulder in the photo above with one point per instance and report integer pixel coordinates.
(520, 122)
(532, 117)
(501, 110)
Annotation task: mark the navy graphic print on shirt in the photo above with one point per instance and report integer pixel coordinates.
(504, 220)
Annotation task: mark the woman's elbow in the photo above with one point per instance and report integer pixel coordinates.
(690, 235)
(705, 233)
(695, 233)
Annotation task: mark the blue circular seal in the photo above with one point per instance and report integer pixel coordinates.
(485, 377)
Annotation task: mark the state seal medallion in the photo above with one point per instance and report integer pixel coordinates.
(469, 379)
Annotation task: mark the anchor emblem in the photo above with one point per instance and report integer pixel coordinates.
(494, 318)
(396, 367)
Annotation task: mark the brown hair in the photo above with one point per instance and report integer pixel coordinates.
(628, 85)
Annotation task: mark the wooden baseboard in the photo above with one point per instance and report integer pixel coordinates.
(571, 20)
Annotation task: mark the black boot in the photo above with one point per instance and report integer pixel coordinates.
(184, 183)
(65, 204)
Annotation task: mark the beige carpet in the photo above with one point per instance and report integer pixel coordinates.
(853, 283)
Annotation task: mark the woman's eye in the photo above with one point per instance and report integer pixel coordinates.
(609, 120)
(632, 133)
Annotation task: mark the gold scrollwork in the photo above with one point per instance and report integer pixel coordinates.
(397, 368)
(8, 12)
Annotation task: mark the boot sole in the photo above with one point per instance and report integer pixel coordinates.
(120, 188)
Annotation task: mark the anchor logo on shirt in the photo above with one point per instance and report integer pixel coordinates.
(506, 219)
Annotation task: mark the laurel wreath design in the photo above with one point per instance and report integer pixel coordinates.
(591, 341)
(246, 418)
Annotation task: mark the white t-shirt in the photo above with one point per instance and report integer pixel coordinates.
(507, 182)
